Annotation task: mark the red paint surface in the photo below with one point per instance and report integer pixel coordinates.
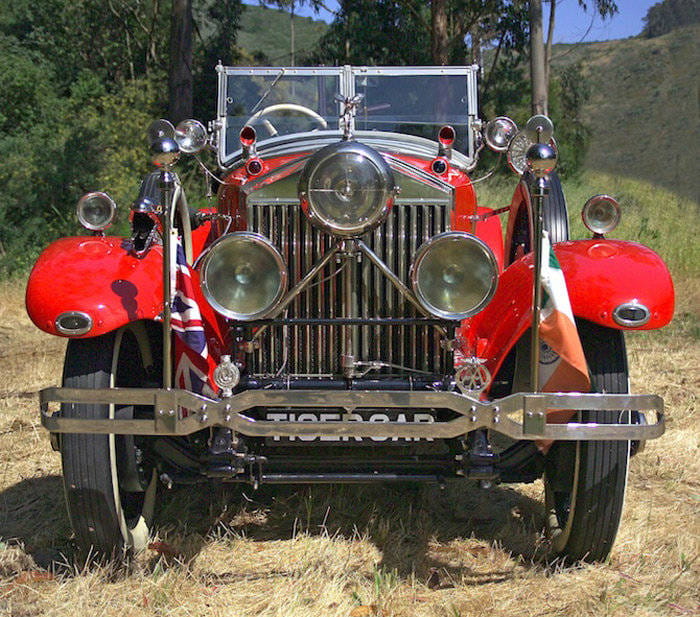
(98, 277)
(600, 275)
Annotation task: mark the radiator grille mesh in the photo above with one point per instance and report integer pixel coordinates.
(303, 350)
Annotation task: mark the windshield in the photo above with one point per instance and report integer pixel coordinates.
(282, 101)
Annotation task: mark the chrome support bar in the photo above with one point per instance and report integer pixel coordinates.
(300, 286)
(180, 412)
(167, 189)
(348, 254)
(539, 189)
(395, 280)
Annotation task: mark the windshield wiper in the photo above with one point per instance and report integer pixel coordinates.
(264, 96)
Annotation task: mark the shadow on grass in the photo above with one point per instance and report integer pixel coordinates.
(33, 514)
(412, 525)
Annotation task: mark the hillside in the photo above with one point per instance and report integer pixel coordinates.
(643, 109)
(266, 32)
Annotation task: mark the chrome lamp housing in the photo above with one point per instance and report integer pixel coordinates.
(96, 211)
(346, 189)
(454, 275)
(243, 276)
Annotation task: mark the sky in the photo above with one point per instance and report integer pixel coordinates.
(573, 24)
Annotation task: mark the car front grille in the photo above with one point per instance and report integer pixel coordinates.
(315, 351)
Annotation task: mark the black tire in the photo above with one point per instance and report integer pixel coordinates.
(555, 218)
(585, 482)
(109, 487)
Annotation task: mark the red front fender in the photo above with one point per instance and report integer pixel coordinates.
(99, 277)
(600, 275)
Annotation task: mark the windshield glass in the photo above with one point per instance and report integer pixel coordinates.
(413, 104)
(283, 101)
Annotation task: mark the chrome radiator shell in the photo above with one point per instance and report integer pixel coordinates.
(315, 351)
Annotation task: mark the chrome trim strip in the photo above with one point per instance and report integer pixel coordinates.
(398, 144)
(495, 415)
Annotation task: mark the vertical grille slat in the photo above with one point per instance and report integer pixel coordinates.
(316, 350)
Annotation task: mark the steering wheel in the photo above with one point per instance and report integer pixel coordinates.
(258, 115)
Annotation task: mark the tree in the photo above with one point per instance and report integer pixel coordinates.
(541, 51)
(422, 32)
(668, 15)
(216, 28)
(538, 64)
(180, 74)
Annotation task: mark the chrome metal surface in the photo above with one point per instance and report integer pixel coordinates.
(498, 133)
(387, 143)
(623, 314)
(208, 269)
(541, 159)
(538, 190)
(424, 253)
(539, 128)
(164, 152)
(472, 414)
(105, 200)
(167, 184)
(73, 323)
(313, 350)
(191, 136)
(601, 214)
(336, 158)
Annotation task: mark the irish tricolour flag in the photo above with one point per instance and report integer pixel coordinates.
(562, 362)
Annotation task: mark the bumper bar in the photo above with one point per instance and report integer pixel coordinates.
(519, 416)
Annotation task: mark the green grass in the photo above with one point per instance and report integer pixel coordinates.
(651, 215)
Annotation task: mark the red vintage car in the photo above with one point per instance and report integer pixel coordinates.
(348, 311)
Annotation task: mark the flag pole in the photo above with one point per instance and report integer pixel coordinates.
(165, 153)
(541, 160)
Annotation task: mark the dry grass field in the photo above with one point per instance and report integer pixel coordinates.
(353, 551)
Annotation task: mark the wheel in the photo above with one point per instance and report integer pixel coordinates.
(285, 107)
(585, 481)
(109, 482)
(555, 218)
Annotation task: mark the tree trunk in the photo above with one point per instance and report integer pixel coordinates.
(537, 64)
(180, 79)
(548, 45)
(439, 36)
(291, 33)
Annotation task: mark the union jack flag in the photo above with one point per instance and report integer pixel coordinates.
(191, 351)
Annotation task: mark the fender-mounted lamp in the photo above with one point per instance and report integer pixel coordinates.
(601, 214)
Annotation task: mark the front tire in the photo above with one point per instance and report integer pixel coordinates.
(109, 484)
(555, 218)
(585, 481)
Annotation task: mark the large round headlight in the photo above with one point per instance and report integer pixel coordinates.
(346, 188)
(96, 211)
(243, 276)
(454, 275)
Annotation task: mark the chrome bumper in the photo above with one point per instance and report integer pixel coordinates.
(519, 416)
